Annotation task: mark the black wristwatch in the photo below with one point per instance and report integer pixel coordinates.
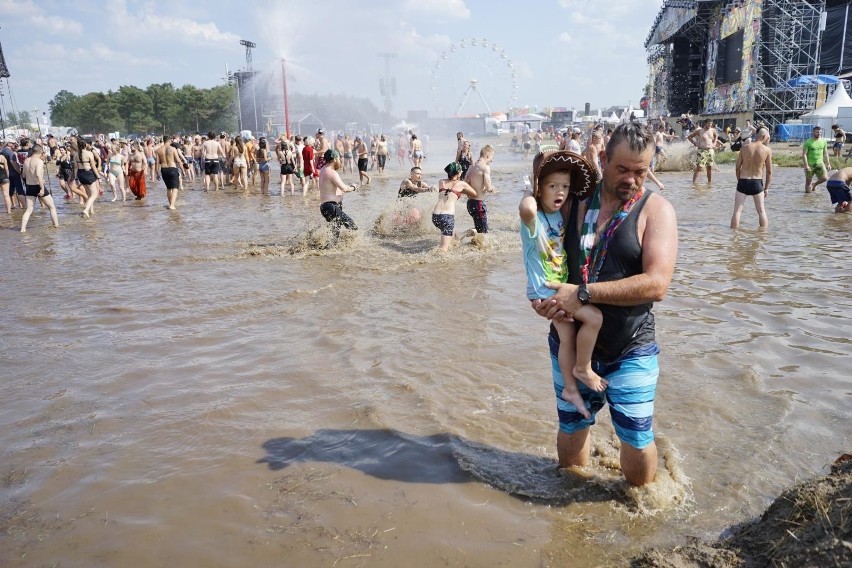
(583, 294)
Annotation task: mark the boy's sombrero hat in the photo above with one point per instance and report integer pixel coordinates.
(583, 174)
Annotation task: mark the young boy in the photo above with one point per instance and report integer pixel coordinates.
(555, 174)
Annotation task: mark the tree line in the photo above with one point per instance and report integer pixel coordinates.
(163, 109)
(159, 109)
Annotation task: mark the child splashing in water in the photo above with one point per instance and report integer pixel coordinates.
(555, 174)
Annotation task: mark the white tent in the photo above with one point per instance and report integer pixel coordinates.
(612, 118)
(625, 116)
(826, 115)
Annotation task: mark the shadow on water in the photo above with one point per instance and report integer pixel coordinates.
(439, 458)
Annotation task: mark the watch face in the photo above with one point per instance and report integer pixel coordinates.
(583, 295)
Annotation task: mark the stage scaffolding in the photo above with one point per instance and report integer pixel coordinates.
(788, 48)
(790, 38)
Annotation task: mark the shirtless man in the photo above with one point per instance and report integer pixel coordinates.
(363, 159)
(331, 189)
(348, 162)
(224, 166)
(382, 153)
(32, 173)
(149, 156)
(704, 139)
(211, 151)
(593, 152)
(479, 178)
(402, 147)
(753, 163)
(838, 189)
(137, 167)
(320, 146)
(197, 160)
(168, 163)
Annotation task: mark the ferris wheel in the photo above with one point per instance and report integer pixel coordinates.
(474, 76)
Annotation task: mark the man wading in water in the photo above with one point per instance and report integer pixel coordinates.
(621, 246)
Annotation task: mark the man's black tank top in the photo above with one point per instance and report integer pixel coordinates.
(624, 327)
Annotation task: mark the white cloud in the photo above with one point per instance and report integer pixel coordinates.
(153, 26)
(442, 8)
(565, 38)
(32, 16)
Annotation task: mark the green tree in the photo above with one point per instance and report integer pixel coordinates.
(25, 120)
(135, 108)
(12, 119)
(165, 106)
(222, 101)
(196, 107)
(98, 113)
(62, 108)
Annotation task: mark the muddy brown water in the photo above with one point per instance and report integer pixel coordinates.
(208, 387)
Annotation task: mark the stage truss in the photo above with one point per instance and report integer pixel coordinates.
(788, 47)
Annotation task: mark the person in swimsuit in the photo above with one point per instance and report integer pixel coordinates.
(838, 190)
(450, 191)
(753, 162)
(362, 151)
(621, 246)
(4, 183)
(168, 161)
(211, 151)
(839, 139)
(416, 151)
(555, 176)
(262, 155)
(382, 153)
(465, 158)
(704, 139)
(239, 163)
(331, 189)
(64, 170)
(88, 174)
(287, 159)
(117, 172)
(348, 161)
(33, 175)
(137, 167)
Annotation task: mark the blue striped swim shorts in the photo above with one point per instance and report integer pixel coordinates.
(630, 395)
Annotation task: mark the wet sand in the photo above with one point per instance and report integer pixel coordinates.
(209, 386)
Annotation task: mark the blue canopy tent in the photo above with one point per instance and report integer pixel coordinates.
(811, 80)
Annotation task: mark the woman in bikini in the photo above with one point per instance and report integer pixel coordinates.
(416, 151)
(263, 165)
(117, 172)
(237, 155)
(88, 172)
(287, 159)
(444, 213)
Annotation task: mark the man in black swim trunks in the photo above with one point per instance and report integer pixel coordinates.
(168, 162)
(754, 161)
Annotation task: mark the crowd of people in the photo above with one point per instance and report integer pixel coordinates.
(599, 247)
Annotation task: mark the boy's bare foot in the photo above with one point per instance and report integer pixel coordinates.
(590, 378)
(577, 400)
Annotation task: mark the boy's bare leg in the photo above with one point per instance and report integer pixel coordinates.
(590, 317)
(739, 201)
(567, 349)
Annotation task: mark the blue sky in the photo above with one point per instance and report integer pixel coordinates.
(562, 52)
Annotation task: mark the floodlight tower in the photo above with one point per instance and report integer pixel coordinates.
(387, 84)
(250, 73)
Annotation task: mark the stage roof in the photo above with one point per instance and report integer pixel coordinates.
(673, 16)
